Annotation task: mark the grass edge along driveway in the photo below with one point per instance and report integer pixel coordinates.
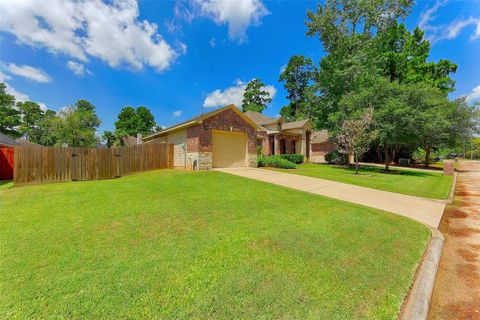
(195, 245)
(432, 185)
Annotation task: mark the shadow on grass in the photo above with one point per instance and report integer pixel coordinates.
(379, 170)
(6, 184)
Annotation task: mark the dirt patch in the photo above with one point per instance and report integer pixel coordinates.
(457, 288)
(463, 232)
(459, 214)
(468, 255)
(454, 212)
(469, 273)
(465, 310)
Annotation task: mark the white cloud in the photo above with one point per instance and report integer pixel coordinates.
(232, 95)
(428, 15)
(474, 95)
(172, 26)
(177, 113)
(28, 72)
(77, 68)
(212, 42)
(238, 15)
(450, 31)
(109, 31)
(4, 77)
(19, 96)
(183, 11)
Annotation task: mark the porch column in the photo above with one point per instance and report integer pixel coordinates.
(303, 148)
(277, 144)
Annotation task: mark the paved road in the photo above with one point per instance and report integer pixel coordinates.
(457, 288)
(426, 211)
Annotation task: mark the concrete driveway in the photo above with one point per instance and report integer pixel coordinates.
(426, 211)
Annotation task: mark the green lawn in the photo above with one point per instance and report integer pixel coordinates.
(199, 245)
(406, 181)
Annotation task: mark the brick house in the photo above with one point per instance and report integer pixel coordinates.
(278, 136)
(227, 137)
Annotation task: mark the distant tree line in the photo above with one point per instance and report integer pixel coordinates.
(74, 126)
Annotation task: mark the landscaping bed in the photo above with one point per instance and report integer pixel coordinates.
(199, 245)
(405, 181)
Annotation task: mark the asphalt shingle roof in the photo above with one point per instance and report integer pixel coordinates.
(7, 141)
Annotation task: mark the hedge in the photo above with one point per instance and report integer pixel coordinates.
(295, 158)
(276, 162)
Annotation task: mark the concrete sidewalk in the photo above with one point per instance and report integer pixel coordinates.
(426, 211)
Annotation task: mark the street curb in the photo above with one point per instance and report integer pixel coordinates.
(417, 303)
(451, 193)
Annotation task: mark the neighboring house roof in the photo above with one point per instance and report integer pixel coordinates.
(7, 141)
(199, 119)
(320, 136)
(26, 143)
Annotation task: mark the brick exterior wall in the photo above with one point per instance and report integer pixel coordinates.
(321, 149)
(265, 142)
(289, 146)
(199, 137)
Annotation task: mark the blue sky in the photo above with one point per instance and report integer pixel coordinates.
(177, 56)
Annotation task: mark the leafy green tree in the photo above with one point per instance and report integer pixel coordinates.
(347, 29)
(87, 115)
(403, 57)
(363, 43)
(465, 122)
(48, 129)
(431, 119)
(110, 138)
(132, 121)
(31, 115)
(255, 97)
(77, 125)
(392, 113)
(9, 115)
(297, 77)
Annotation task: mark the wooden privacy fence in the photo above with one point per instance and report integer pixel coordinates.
(36, 165)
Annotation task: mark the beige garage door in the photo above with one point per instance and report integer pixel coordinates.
(229, 149)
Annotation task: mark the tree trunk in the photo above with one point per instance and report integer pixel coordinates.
(387, 160)
(427, 156)
(355, 154)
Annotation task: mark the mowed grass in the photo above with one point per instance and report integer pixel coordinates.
(413, 182)
(199, 245)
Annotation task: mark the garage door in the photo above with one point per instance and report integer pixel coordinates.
(229, 149)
